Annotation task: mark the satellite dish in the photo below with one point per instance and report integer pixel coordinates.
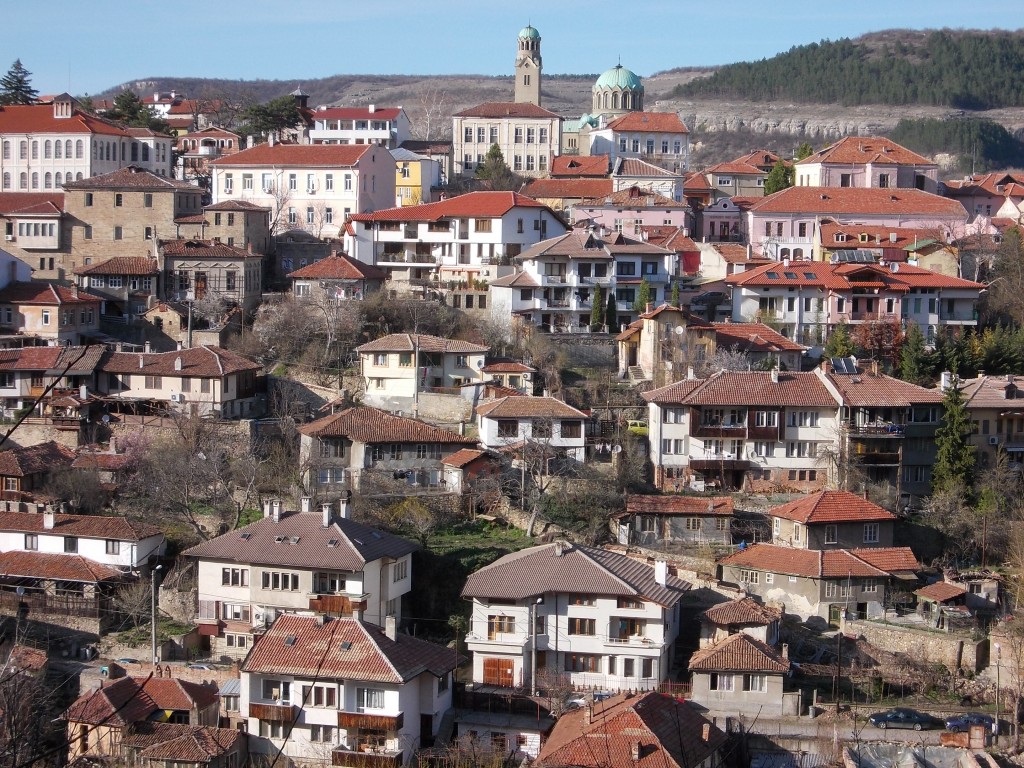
(106, 418)
(616, 449)
(679, 330)
(20, 590)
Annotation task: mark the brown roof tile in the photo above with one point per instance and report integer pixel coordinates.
(199, 362)
(46, 294)
(338, 267)
(31, 203)
(483, 204)
(297, 155)
(867, 389)
(528, 408)
(941, 591)
(853, 201)
(831, 507)
(372, 425)
(44, 565)
(35, 459)
(507, 366)
(83, 526)
(743, 610)
(132, 177)
(39, 119)
(580, 165)
(813, 563)
(462, 457)
(203, 249)
(752, 388)
(648, 122)
(753, 337)
(739, 653)
(236, 205)
(179, 742)
(505, 109)
(573, 188)
(679, 505)
(632, 197)
(632, 166)
(121, 265)
(859, 150)
(407, 342)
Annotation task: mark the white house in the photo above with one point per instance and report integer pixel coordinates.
(289, 562)
(343, 692)
(658, 137)
(867, 161)
(527, 134)
(538, 423)
(587, 616)
(313, 187)
(384, 126)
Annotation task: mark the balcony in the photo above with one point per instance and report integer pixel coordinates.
(336, 605)
(879, 459)
(633, 641)
(876, 429)
(596, 280)
(737, 430)
(960, 316)
(207, 151)
(408, 257)
(346, 757)
(374, 722)
(554, 279)
(274, 713)
(713, 462)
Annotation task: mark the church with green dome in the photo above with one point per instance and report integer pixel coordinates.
(616, 92)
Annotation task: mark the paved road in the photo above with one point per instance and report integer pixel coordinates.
(822, 730)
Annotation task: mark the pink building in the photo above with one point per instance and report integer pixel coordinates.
(629, 210)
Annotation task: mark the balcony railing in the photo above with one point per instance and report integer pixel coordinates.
(375, 722)
(408, 258)
(596, 280)
(275, 713)
(631, 640)
(353, 759)
(877, 430)
(338, 605)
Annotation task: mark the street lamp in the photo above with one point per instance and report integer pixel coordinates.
(152, 590)
(998, 691)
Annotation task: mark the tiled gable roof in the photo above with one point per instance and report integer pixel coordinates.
(266, 542)
(742, 611)
(494, 109)
(582, 243)
(200, 362)
(338, 266)
(528, 408)
(992, 184)
(895, 560)
(670, 734)
(39, 119)
(648, 504)
(115, 704)
(584, 570)
(20, 564)
(633, 197)
(297, 155)
(31, 204)
(736, 168)
(574, 188)
(507, 366)
(371, 425)
(46, 294)
(853, 201)
(739, 653)
(483, 204)
(344, 649)
(941, 591)
(580, 165)
(34, 459)
(236, 205)
(761, 158)
(878, 236)
(992, 391)
(868, 389)
(648, 122)
(753, 337)
(831, 507)
(408, 342)
(859, 150)
(82, 526)
(357, 113)
(516, 280)
(845, 277)
(835, 563)
(172, 742)
(633, 166)
(672, 393)
(751, 388)
(203, 249)
(121, 265)
(462, 457)
(132, 177)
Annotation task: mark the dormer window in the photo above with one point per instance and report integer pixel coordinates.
(840, 237)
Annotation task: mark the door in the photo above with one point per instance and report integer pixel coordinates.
(498, 672)
(200, 285)
(834, 613)
(426, 731)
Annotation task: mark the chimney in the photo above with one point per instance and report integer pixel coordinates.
(83, 392)
(559, 548)
(146, 348)
(390, 626)
(785, 650)
(177, 363)
(275, 510)
(327, 512)
(826, 365)
(346, 499)
(141, 362)
(647, 307)
(306, 504)
(590, 713)
(634, 750)
(178, 347)
(690, 373)
(775, 375)
(49, 519)
(357, 614)
(266, 507)
(945, 380)
(320, 619)
(661, 572)
(270, 139)
(74, 290)
(705, 732)
(874, 367)
(373, 108)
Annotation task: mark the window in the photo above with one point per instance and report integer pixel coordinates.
(755, 682)
(154, 382)
(232, 640)
(769, 578)
(797, 532)
(693, 524)
(871, 585)
(113, 547)
(329, 182)
(229, 183)
(777, 525)
(271, 730)
(582, 600)
(831, 534)
(518, 135)
(380, 359)
(70, 543)
(277, 580)
(322, 734)
(400, 570)
(320, 696)
(508, 428)
(721, 682)
(500, 625)
(118, 233)
(293, 181)
(277, 690)
(234, 577)
(578, 626)
(118, 200)
(750, 577)
(581, 662)
(369, 698)
(870, 533)
(31, 542)
(647, 668)
(830, 589)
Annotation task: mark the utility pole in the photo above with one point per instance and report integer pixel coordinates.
(152, 592)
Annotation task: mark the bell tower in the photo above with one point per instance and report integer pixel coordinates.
(528, 67)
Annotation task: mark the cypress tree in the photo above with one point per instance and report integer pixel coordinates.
(643, 297)
(597, 308)
(914, 359)
(954, 462)
(675, 294)
(611, 315)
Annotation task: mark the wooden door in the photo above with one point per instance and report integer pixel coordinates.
(498, 672)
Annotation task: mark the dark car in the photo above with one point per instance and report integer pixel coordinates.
(901, 718)
(965, 720)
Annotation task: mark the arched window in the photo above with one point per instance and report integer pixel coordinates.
(78, 176)
(58, 149)
(23, 181)
(7, 180)
(145, 153)
(24, 150)
(798, 254)
(626, 100)
(35, 150)
(47, 149)
(135, 151)
(35, 180)
(79, 149)
(67, 149)
(784, 253)
(607, 100)
(48, 181)
(615, 101)
(108, 150)
(58, 180)
(7, 150)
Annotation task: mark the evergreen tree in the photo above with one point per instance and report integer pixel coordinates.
(914, 359)
(839, 343)
(954, 462)
(129, 109)
(643, 297)
(611, 314)
(780, 178)
(597, 308)
(274, 116)
(496, 172)
(804, 150)
(675, 294)
(16, 86)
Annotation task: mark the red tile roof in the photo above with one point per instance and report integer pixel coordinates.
(133, 699)
(372, 425)
(338, 267)
(82, 526)
(585, 244)
(859, 150)
(520, 407)
(133, 177)
(121, 265)
(200, 362)
(580, 165)
(645, 504)
(516, 280)
(179, 743)
(739, 653)
(111, 462)
(831, 507)
(742, 611)
(39, 119)
(666, 733)
(82, 360)
(578, 569)
(878, 236)
(48, 566)
(632, 197)
(357, 113)
(46, 294)
(835, 563)
(941, 591)
(762, 158)
(408, 342)
(860, 201)
(297, 155)
(844, 277)
(632, 166)
(867, 389)
(31, 204)
(990, 184)
(506, 109)
(752, 388)
(266, 542)
(470, 205)
(344, 649)
(736, 168)
(648, 122)
(507, 366)
(236, 205)
(203, 249)
(891, 559)
(35, 459)
(197, 218)
(462, 457)
(572, 188)
(753, 337)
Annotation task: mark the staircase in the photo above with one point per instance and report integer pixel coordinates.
(445, 728)
(636, 374)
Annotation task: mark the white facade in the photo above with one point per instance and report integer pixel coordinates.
(114, 552)
(391, 375)
(527, 135)
(387, 127)
(538, 422)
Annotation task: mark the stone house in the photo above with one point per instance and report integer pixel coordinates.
(196, 269)
(239, 223)
(336, 278)
(128, 284)
(741, 675)
(744, 614)
(658, 522)
(827, 519)
(24, 470)
(867, 162)
(527, 134)
(534, 429)
(52, 313)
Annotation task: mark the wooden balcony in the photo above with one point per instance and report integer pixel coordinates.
(375, 722)
(336, 605)
(345, 757)
(274, 713)
(712, 464)
(718, 430)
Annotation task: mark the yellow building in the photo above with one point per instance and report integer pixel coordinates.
(417, 177)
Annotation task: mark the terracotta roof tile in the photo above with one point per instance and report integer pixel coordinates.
(853, 201)
(585, 244)
(344, 649)
(39, 119)
(462, 457)
(632, 197)
(573, 188)
(357, 113)
(484, 204)
(516, 280)
(60, 567)
(632, 166)
(46, 294)
(116, 704)
(867, 389)
(506, 109)
(171, 742)
(753, 337)
(31, 203)
(338, 267)
(736, 168)
(203, 249)
(941, 591)
(739, 653)
(101, 461)
(844, 277)
(816, 564)
(236, 205)
(860, 150)
(82, 526)
(752, 388)
(648, 122)
(580, 165)
(528, 408)
(673, 393)
(407, 342)
(200, 362)
(372, 425)
(121, 265)
(891, 559)
(670, 734)
(507, 366)
(34, 459)
(742, 611)
(584, 570)
(354, 545)
(646, 504)
(831, 507)
(196, 218)
(297, 155)
(132, 177)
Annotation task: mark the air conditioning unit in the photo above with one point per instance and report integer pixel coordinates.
(177, 397)
(994, 440)
(8, 238)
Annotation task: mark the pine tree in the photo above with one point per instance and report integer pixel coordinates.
(780, 178)
(954, 462)
(597, 308)
(675, 294)
(839, 343)
(804, 150)
(643, 297)
(16, 86)
(129, 109)
(496, 171)
(914, 359)
(611, 314)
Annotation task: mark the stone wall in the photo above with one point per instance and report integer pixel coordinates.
(946, 648)
(29, 433)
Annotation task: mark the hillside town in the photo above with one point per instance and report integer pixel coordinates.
(326, 443)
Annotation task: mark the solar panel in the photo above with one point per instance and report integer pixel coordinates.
(851, 364)
(839, 365)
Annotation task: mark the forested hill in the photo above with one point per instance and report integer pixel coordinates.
(958, 69)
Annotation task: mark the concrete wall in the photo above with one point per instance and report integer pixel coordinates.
(767, 703)
(952, 650)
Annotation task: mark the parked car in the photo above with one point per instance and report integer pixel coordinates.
(901, 718)
(965, 720)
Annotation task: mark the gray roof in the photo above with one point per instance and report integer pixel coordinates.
(268, 543)
(577, 570)
(231, 687)
(405, 155)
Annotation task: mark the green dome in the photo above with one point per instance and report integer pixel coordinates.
(588, 119)
(619, 77)
(528, 32)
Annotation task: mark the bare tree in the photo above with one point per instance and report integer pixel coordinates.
(134, 601)
(81, 488)
(435, 106)
(723, 359)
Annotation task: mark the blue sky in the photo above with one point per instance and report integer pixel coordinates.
(86, 46)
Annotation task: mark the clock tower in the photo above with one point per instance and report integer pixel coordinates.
(528, 67)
